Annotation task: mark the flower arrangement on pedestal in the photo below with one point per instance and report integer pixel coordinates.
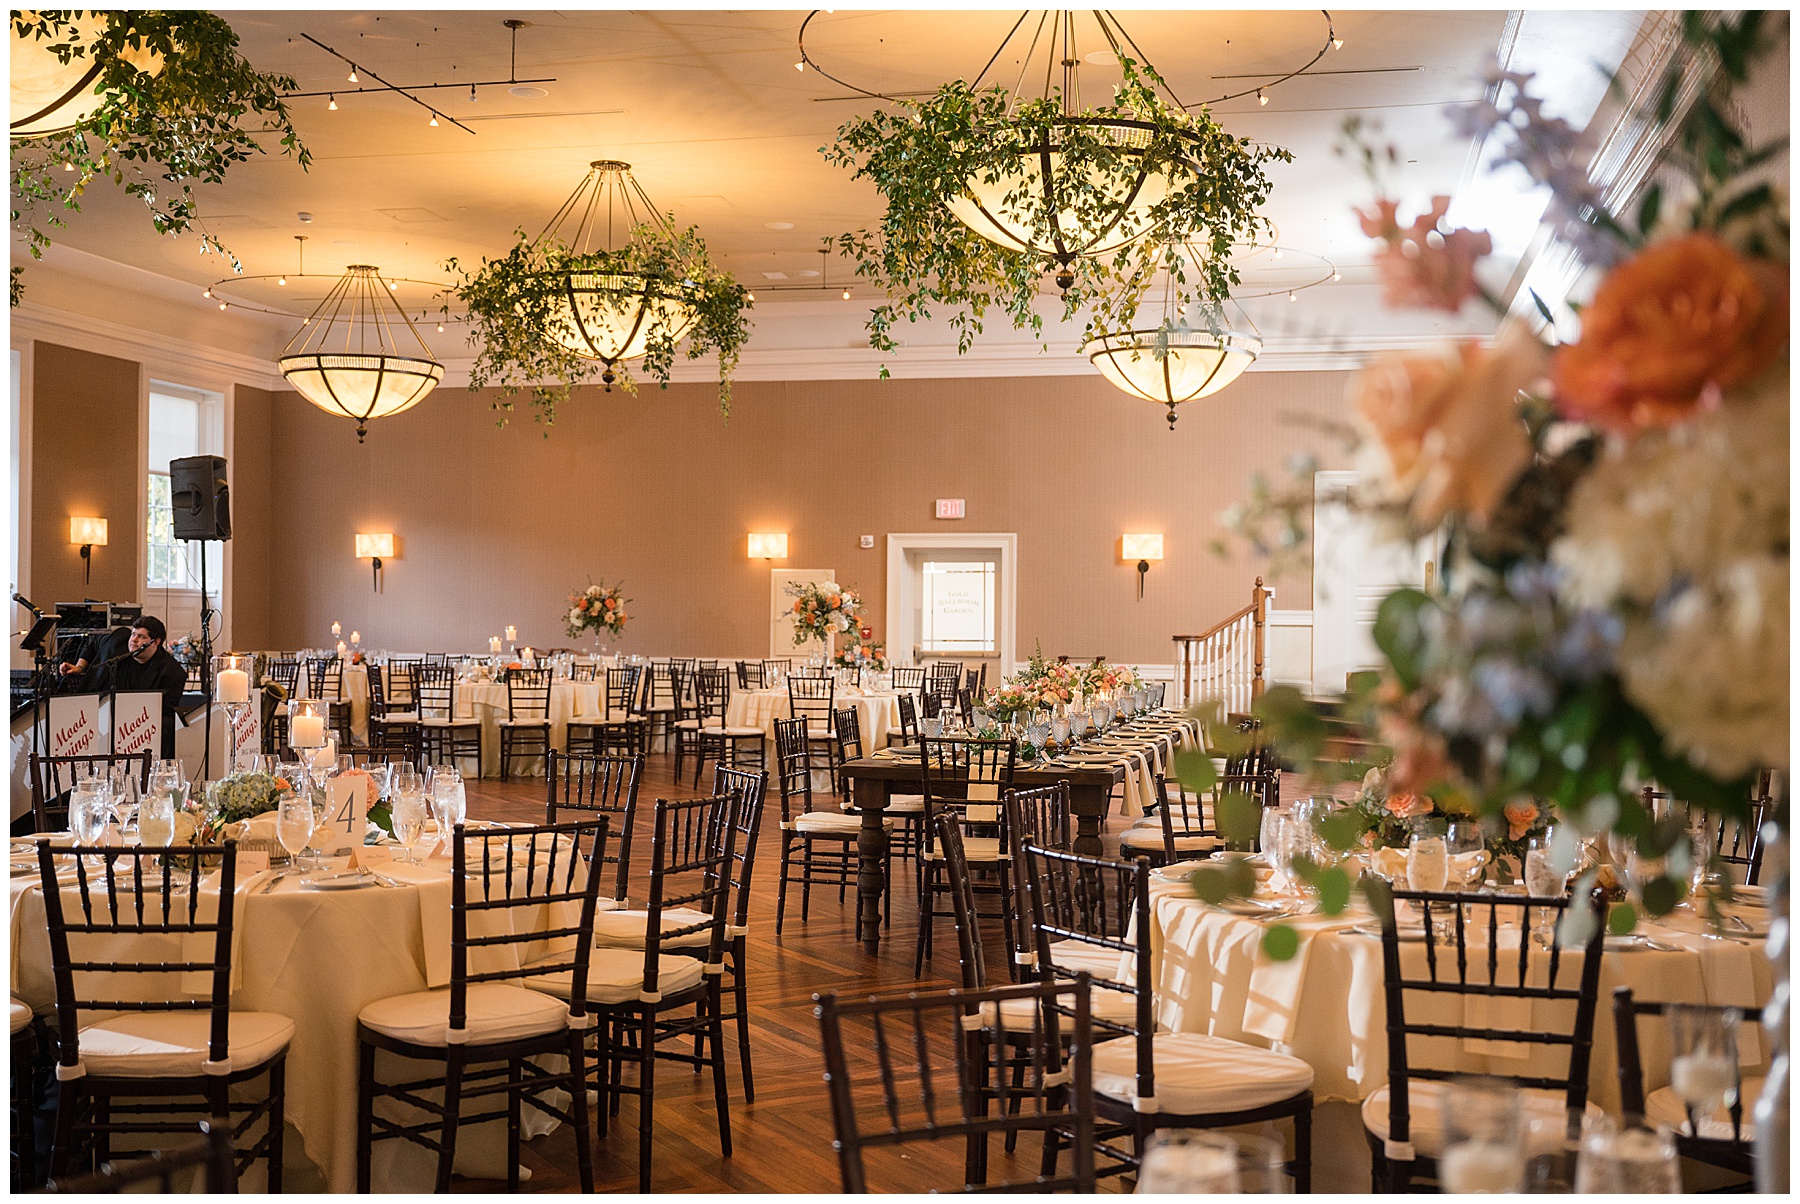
(859, 656)
(599, 609)
(823, 610)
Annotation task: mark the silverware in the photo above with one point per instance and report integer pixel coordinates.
(269, 885)
(1740, 923)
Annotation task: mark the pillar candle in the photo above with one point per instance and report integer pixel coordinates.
(493, 643)
(512, 633)
(233, 685)
(337, 629)
(340, 648)
(307, 731)
(356, 637)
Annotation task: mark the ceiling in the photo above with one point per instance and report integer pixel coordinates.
(722, 130)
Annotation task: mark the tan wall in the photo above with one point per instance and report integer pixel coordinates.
(85, 450)
(496, 525)
(252, 496)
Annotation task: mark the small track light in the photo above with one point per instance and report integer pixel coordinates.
(332, 107)
(433, 122)
(1260, 98)
(353, 78)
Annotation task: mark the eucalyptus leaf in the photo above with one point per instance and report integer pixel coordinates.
(1280, 942)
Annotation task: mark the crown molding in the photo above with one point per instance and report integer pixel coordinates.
(178, 359)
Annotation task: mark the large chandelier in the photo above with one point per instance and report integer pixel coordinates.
(49, 96)
(1169, 366)
(609, 316)
(365, 374)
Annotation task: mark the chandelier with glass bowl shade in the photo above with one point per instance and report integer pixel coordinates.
(608, 280)
(990, 187)
(347, 358)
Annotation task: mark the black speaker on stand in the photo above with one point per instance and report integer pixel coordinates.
(201, 499)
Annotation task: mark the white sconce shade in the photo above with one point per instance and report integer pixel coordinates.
(380, 544)
(88, 531)
(768, 545)
(1141, 547)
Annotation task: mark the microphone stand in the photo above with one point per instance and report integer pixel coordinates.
(206, 691)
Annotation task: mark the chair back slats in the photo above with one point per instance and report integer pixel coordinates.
(908, 679)
(435, 691)
(811, 699)
(526, 869)
(849, 733)
(166, 902)
(932, 1067)
(325, 677)
(750, 788)
(909, 721)
(1095, 901)
(581, 785)
(712, 696)
(690, 867)
(402, 679)
(966, 775)
(52, 778)
(1521, 972)
(622, 687)
(793, 760)
(750, 675)
(528, 695)
(285, 670)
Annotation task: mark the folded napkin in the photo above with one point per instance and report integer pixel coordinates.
(433, 883)
(1271, 1009)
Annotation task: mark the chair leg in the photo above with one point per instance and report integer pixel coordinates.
(578, 1106)
(741, 990)
(787, 846)
(721, 1101)
(453, 1072)
(806, 880)
(646, 1097)
(277, 1122)
(926, 886)
(516, 1074)
(365, 1114)
(61, 1145)
(1303, 1148)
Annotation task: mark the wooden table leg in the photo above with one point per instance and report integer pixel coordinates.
(872, 851)
(1089, 804)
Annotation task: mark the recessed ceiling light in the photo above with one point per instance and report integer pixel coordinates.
(1101, 58)
(528, 92)
(808, 274)
(778, 225)
(774, 275)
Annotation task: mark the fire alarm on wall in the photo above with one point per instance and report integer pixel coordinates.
(867, 541)
(949, 507)
(868, 633)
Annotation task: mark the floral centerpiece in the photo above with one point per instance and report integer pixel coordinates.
(858, 655)
(1384, 818)
(599, 609)
(1013, 701)
(186, 651)
(1055, 683)
(822, 610)
(1100, 678)
(229, 802)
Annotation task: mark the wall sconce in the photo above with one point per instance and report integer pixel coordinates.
(90, 533)
(375, 547)
(1143, 549)
(768, 545)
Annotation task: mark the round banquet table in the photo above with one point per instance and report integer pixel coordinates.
(877, 713)
(1326, 1005)
(319, 957)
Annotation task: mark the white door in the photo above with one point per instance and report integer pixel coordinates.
(1353, 570)
(781, 611)
(953, 597)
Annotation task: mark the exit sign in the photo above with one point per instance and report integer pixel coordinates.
(949, 507)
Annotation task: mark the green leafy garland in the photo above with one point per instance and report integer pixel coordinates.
(156, 132)
(515, 304)
(920, 154)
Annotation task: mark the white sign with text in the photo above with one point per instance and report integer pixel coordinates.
(74, 725)
(137, 723)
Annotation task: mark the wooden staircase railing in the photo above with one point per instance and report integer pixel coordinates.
(1225, 662)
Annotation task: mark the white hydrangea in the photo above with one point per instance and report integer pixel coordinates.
(1685, 532)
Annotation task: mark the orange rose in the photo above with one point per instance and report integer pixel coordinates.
(1670, 329)
(1520, 814)
(1405, 806)
(1422, 267)
(1449, 421)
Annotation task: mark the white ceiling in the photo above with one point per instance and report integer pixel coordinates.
(722, 130)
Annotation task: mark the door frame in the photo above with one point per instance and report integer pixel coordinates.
(901, 586)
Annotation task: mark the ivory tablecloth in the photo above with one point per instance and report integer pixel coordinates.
(877, 714)
(320, 957)
(1327, 1006)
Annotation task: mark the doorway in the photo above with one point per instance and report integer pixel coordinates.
(953, 597)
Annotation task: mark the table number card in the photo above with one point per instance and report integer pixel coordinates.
(348, 806)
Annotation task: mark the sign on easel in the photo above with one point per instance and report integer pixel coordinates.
(246, 730)
(347, 802)
(74, 725)
(137, 723)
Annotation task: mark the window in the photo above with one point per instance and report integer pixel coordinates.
(958, 610)
(183, 422)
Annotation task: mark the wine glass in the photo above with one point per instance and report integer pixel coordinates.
(1543, 880)
(90, 808)
(1626, 1156)
(1704, 1067)
(294, 823)
(1462, 839)
(1427, 863)
(125, 802)
(410, 814)
(156, 819)
(1483, 1138)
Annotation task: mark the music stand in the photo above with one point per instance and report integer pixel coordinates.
(40, 641)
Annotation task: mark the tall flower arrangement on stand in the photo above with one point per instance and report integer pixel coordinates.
(598, 608)
(1613, 607)
(822, 611)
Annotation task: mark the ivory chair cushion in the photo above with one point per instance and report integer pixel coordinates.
(497, 1011)
(1179, 817)
(1665, 1108)
(741, 733)
(165, 1044)
(978, 848)
(21, 1016)
(1151, 838)
(617, 975)
(524, 723)
(624, 929)
(1020, 1014)
(1113, 964)
(906, 804)
(1198, 1074)
(833, 822)
(1426, 1100)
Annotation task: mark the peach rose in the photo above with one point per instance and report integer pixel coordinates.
(1668, 331)
(1405, 806)
(1420, 266)
(1449, 422)
(1520, 814)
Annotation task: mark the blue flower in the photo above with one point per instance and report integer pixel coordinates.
(1589, 646)
(1514, 690)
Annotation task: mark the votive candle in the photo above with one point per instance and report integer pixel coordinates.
(233, 686)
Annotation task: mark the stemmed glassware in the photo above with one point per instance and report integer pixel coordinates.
(1483, 1138)
(410, 814)
(1704, 1068)
(1543, 880)
(1427, 863)
(1626, 1156)
(294, 823)
(90, 807)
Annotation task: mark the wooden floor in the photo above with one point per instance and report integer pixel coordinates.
(782, 1142)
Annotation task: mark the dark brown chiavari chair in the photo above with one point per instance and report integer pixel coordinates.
(640, 994)
(489, 1028)
(751, 789)
(1741, 840)
(526, 729)
(909, 723)
(716, 738)
(618, 729)
(52, 778)
(158, 1055)
(818, 848)
(908, 679)
(750, 675)
(936, 1068)
(849, 747)
(580, 671)
(581, 786)
(1398, 1119)
(164, 1171)
(812, 699)
(1721, 1139)
(445, 737)
(1181, 829)
(284, 671)
(1147, 1080)
(967, 777)
(392, 731)
(403, 681)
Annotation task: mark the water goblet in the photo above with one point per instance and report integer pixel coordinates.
(89, 811)
(410, 814)
(1483, 1138)
(1427, 863)
(294, 823)
(156, 819)
(1208, 1162)
(1059, 730)
(1628, 1156)
(1704, 1067)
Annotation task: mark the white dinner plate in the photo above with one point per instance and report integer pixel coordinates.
(346, 881)
(1179, 871)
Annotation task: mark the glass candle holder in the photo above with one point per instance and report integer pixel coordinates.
(232, 676)
(307, 722)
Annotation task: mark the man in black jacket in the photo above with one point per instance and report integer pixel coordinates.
(147, 666)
